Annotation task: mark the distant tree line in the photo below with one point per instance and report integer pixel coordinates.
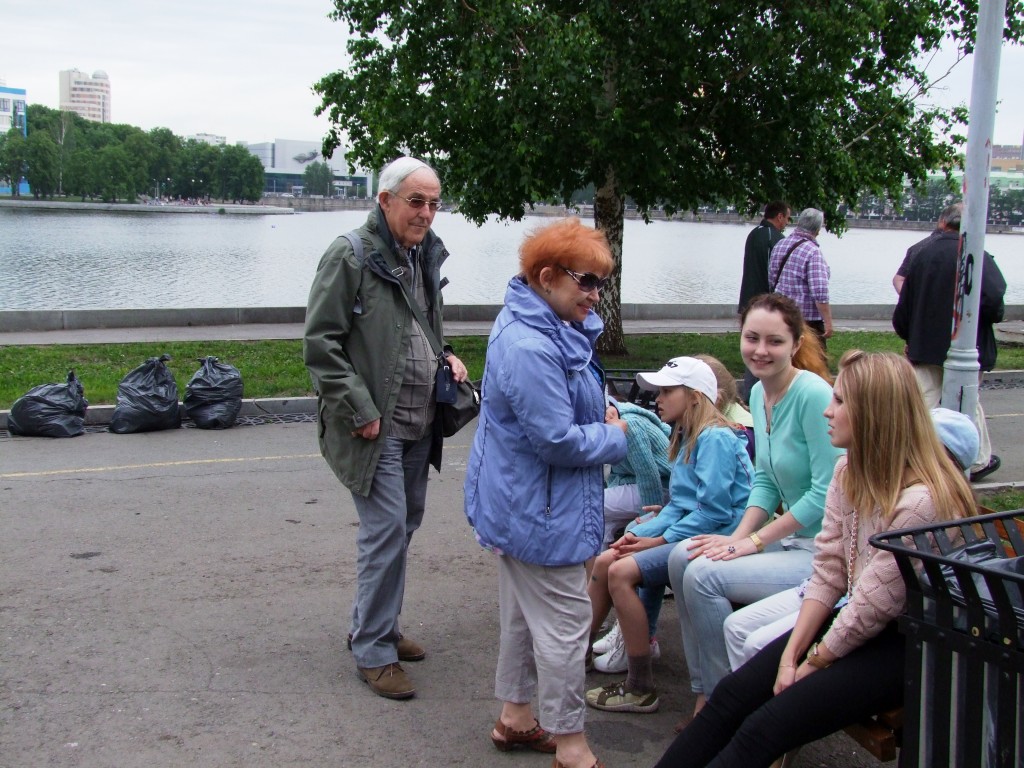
(66, 155)
(925, 203)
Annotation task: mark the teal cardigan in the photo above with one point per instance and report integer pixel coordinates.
(794, 463)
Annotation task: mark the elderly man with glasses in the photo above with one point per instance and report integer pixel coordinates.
(373, 343)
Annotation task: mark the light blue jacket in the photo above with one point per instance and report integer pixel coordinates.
(708, 493)
(646, 464)
(535, 483)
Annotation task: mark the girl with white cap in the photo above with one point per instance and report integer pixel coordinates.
(709, 486)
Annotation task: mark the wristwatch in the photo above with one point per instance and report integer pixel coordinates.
(815, 660)
(758, 544)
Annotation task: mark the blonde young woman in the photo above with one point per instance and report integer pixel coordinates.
(840, 665)
(708, 489)
(728, 400)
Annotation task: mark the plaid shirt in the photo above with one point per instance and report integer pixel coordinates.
(805, 278)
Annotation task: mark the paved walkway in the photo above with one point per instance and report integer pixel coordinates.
(1013, 330)
(180, 598)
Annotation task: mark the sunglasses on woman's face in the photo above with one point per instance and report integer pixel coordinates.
(587, 281)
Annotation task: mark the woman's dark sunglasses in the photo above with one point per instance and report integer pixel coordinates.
(587, 281)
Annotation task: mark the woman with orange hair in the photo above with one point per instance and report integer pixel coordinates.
(534, 485)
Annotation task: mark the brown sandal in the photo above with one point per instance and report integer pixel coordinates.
(597, 764)
(507, 739)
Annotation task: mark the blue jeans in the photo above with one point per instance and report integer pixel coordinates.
(706, 590)
(388, 517)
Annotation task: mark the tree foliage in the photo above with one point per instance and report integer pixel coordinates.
(66, 154)
(13, 154)
(667, 103)
(42, 159)
(317, 179)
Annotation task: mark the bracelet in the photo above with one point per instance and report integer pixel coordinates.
(758, 544)
(815, 660)
(784, 666)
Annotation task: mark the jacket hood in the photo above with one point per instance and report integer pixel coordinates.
(633, 411)
(529, 308)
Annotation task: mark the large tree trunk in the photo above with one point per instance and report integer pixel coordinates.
(609, 206)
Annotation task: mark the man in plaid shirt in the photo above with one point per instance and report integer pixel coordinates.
(798, 270)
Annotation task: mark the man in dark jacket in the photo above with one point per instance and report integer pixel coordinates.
(924, 319)
(756, 252)
(373, 367)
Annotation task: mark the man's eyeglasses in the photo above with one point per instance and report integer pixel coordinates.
(418, 202)
(587, 281)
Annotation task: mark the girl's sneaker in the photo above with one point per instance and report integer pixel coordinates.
(608, 642)
(615, 662)
(615, 698)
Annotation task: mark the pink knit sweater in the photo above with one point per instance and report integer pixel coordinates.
(879, 594)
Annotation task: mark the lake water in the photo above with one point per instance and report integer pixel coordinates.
(74, 260)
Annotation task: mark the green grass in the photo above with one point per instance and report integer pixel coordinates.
(1004, 500)
(273, 368)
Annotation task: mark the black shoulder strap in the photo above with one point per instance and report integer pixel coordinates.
(782, 265)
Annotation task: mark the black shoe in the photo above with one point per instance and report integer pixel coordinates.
(993, 464)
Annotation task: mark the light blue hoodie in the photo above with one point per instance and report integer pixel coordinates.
(535, 483)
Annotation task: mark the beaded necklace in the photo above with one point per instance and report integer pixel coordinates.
(853, 555)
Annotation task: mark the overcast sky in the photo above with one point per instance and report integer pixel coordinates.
(244, 69)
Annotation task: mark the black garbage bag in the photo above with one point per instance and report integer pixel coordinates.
(147, 399)
(50, 410)
(213, 396)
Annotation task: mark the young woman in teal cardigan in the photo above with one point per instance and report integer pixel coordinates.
(772, 548)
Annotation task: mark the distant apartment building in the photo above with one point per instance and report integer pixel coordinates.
(86, 95)
(12, 108)
(285, 160)
(13, 115)
(209, 138)
(1008, 157)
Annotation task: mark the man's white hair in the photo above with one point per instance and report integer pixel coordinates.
(810, 220)
(399, 170)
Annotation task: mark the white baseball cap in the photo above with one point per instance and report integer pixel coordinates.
(686, 371)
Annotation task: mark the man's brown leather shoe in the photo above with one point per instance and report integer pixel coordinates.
(389, 681)
(410, 650)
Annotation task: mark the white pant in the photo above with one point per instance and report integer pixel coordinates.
(753, 626)
(622, 505)
(929, 378)
(545, 615)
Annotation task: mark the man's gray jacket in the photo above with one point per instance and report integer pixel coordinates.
(356, 342)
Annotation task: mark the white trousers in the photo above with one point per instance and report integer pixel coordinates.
(753, 626)
(545, 616)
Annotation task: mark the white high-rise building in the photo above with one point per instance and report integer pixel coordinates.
(88, 95)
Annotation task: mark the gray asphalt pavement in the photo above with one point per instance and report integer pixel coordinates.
(181, 598)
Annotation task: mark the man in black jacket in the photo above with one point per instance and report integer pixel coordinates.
(756, 253)
(758, 250)
(924, 318)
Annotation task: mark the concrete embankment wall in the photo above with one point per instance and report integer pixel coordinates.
(13, 321)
